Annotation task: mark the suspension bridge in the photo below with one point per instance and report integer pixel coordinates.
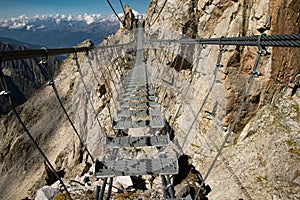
(139, 119)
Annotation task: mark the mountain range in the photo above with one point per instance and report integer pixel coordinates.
(54, 31)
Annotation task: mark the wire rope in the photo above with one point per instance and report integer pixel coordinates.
(255, 72)
(86, 91)
(111, 6)
(5, 87)
(218, 65)
(165, 2)
(121, 3)
(52, 84)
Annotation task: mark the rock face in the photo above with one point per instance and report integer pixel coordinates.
(216, 18)
(23, 76)
(128, 19)
(21, 165)
(260, 160)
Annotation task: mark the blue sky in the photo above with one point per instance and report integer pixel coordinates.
(14, 8)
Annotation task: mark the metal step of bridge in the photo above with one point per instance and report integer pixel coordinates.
(138, 89)
(126, 124)
(140, 113)
(141, 141)
(138, 85)
(183, 198)
(139, 98)
(134, 167)
(136, 82)
(139, 93)
(131, 104)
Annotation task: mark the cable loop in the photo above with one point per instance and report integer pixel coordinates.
(75, 53)
(261, 49)
(256, 73)
(220, 45)
(5, 93)
(86, 52)
(45, 61)
(221, 50)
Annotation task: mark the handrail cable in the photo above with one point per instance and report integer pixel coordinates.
(149, 19)
(110, 5)
(218, 65)
(187, 89)
(86, 91)
(106, 82)
(171, 84)
(52, 84)
(158, 13)
(110, 74)
(98, 81)
(122, 6)
(8, 95)
(26, 54)
(255, 72)
(281, 40)
(182, 61)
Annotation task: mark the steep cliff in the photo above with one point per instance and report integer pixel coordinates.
(23, 76)
(215, 18)
(260, 161)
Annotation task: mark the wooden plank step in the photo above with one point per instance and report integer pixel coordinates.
(141, 141)
(135, 167)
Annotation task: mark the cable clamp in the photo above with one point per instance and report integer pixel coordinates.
(75, 53)
(43, 62)
(256, 73)
(87, 52)
(4, 93)
(50, 83)
(219, 65)
(222, 48)
(262, 52)
(74, 57)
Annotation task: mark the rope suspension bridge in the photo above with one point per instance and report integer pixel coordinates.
(139, 98)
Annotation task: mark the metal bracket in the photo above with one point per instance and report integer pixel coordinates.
(256, 73)
(50, 83)
(261, 49)
(5, 93)
(75, 54)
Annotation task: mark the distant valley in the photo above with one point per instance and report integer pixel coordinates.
(56, 31)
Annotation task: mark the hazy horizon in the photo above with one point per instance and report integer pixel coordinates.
(30, 8)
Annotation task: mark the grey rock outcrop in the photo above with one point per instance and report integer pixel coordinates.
(23, 77)
(264, 144)
(129, 19)
(46, 193)
(206, 19)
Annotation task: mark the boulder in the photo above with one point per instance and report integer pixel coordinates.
(46, 193)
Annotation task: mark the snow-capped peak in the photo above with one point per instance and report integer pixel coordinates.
(50, 21)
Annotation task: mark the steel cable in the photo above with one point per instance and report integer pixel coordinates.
(283, 40)
(5, 87)
(158, 14)
(218, 65)
(52, 83)
(110, 5)
(87, 92)
(122, 6)
(254, 73)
